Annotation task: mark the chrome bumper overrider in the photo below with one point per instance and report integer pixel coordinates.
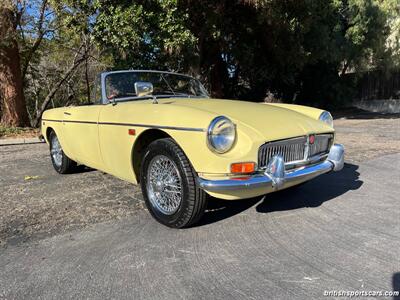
(275, 177)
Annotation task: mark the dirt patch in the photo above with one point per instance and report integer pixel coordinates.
(365, 139)
(36, 201)
(18, 132)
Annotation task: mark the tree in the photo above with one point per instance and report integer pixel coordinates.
(58, 54)
(79, 58)
(144, 34)
(349, 37)
(296, 50)
(13, 107)
(391, 57)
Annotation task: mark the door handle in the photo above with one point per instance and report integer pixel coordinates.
(67, 113)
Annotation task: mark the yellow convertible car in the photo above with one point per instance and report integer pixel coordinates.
(162, 130)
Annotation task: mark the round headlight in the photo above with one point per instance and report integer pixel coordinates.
(221, 134)
(326, 117)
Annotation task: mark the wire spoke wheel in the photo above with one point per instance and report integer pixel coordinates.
(169, 185)
(61, 163)
(164, 185)
(56, 151)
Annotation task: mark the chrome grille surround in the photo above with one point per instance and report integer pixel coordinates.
(296, 151)
(321, 144)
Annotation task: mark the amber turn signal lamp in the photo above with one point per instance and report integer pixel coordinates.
(241, 168)
(131, 131)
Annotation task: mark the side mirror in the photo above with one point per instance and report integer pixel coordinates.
(143, 88)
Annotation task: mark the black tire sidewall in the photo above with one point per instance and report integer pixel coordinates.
(65, 163)
(162, 147)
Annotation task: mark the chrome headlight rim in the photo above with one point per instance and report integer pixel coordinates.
(326, 118)
(210, 143)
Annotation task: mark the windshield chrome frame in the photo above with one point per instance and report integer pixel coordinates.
(105, 100)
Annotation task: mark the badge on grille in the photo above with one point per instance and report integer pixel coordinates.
(311, 139)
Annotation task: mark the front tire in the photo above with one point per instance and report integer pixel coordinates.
(169, 185)
(61, 163)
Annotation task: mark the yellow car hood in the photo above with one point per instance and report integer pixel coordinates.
(271, 122)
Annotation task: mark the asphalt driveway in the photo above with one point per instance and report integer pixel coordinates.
(338, 232)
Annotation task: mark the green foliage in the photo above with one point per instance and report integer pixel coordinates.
(391, 57)
(353, 39)
(298, 50)
(150, 34)
(15, 131)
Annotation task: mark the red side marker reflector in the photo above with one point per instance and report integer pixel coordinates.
(131, 131)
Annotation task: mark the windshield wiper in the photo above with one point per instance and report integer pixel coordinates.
(134, 98)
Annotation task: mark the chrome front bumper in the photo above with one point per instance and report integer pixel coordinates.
(275, 177)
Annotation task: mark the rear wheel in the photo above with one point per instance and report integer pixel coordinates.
(61, 163)
(169, 185)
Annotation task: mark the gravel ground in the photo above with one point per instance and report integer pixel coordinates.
(87, 236)
(339, 232)
(37, 202)
(366, 138)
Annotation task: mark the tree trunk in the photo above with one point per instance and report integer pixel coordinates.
(218, 73)
(13, 105)
(344, 69)
(87, 80)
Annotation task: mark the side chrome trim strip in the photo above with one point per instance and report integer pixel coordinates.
(154, 126)
(49, 120)
(130, 125)
(80, 122)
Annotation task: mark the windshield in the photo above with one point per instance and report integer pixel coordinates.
(121, 85)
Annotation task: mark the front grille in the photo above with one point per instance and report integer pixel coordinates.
(294, 149)
(321, 144)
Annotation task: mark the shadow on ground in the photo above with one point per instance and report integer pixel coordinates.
(310, 194)
(396, 284)
(360, 114)
(81, 169)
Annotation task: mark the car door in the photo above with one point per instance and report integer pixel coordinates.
(115, 139)
(80, 128)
